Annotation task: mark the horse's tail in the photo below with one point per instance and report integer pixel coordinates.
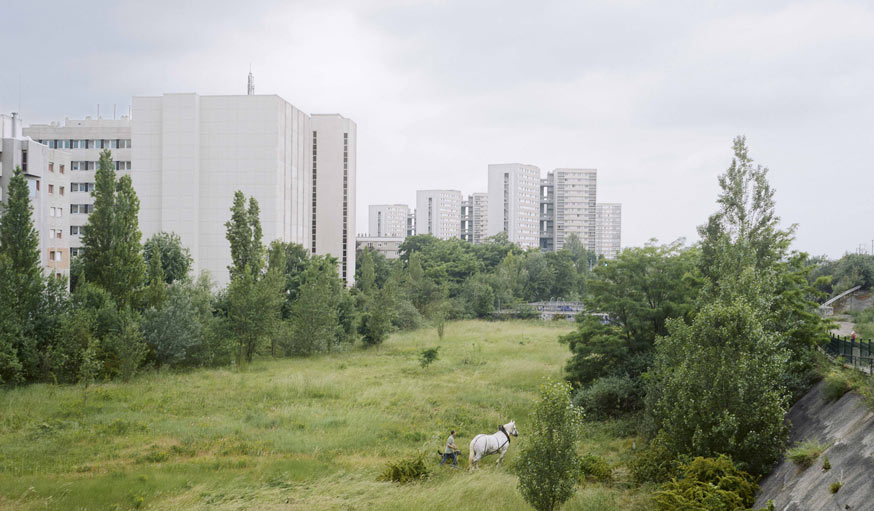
(470, 459)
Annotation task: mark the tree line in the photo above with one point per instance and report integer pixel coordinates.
(134, 304)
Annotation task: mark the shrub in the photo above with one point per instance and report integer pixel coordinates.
(427, 356)
(406, 470)
(805, 453)
(835, 486)
(612, 396)
(836, 385)
(826, 466)
(714, 484)
(595, 468)
(655, 463)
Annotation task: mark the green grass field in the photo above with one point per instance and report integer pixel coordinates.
(309, 433)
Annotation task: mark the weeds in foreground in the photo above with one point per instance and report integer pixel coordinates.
(805, 453)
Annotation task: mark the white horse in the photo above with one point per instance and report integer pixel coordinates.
(483, 445)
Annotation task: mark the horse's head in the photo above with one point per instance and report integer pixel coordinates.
(510, 428)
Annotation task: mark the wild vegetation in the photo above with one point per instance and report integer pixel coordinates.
(311, 432)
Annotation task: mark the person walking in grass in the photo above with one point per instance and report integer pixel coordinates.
(451, 450)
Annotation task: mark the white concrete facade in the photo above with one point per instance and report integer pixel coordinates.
(334, 162)
(389, 246)
(608, 233)
(513, 203)
(85, 139)
(575, 193)
(48, 176)
(438, 212)
(190, 153)
(388, 220)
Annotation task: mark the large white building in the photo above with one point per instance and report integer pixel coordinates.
(388, 220)
(47, 171)
(438, 212)
(479, 217)
(332, 230)
(513, 203)
(608, 232)
(85, 139)
(190, 153)
(574, 199)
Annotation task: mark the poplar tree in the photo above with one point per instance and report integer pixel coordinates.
(97, 233)
(22, 293)
(113, 256)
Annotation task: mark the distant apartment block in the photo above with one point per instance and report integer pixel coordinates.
(513, 203)
(389, 246)
(388, 220)
(85, 139)
(411, 223)
(438, 212)
(466, 225)
(479, 216)
(574, 199)
(334, 149)
(47, 171)
(608, 233)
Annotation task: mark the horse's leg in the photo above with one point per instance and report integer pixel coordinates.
(501, 457)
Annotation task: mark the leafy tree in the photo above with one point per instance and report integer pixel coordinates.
(428, 356)
(716, 387)
(244, 234)
(175, 258)
(423, 291)
(19, 245)
(365, 280)
(156, 292)
(131, 350)
(89, 368)
(639, 291)
(10, 365)
(378, 312)
(541, 277)
(253, 311)
(296, 259)
(112, 257)
(548, 464)
(174, 330)
(314, 319)
(129, 272)
(478, 296)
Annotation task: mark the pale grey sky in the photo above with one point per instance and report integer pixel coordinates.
(649, 93)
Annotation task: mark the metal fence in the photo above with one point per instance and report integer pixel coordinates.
(855, 352)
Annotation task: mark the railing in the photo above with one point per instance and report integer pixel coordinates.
(855, 352)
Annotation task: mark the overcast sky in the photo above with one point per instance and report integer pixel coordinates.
(649, 93)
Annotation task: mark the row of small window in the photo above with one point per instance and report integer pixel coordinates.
(114, 143)
(56, 255)
(81, 208)
(92, 165)
(52, 190)
(81, 187)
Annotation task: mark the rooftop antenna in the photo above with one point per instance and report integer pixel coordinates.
(250, 90)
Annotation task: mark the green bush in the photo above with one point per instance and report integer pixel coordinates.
(608, 397)
(836, 385)
(805, 453)
(826, 466)
(427, 356)
(715, 484)
(407, 470)
(595, 468)
(655, 463)
(835, 486)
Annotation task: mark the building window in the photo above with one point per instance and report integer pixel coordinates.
(315, 188)
(51, 167)
(62, 169)
(61, 189)
(24, 162)
(51, 189)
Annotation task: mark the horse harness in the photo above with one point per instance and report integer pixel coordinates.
(504, 431)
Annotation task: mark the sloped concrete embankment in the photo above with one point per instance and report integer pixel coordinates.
(847, 425)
